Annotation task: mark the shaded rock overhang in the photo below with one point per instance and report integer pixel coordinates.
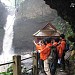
(65, 9)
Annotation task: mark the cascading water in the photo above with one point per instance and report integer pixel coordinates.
(8, 36)
(7, 42)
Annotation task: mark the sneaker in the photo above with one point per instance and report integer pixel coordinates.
(61, 70)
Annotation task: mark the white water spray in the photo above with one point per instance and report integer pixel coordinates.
(7, 53)
(7, 42)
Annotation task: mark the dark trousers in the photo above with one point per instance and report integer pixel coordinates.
(63, 61)
(53, 66)
(41, 62)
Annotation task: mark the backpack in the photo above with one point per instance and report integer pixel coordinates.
(67, 45)
(53, 53)
(53, 59)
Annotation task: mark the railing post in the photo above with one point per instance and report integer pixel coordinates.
(35, 63)
(17, 65)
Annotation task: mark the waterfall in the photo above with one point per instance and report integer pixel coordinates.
(7, 42)
(7, 53)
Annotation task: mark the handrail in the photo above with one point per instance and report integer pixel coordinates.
(6, 63)
(17, 64)
(14, 62)
(29, 69)
(27, 58)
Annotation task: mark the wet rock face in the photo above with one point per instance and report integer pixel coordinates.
(3, 16)
(65, 9)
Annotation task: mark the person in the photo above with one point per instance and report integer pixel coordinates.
(53, 62)
(61, 51)
(46, 53)
(56, 41)
(39, 47)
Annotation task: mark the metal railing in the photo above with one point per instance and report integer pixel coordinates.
(17, 64)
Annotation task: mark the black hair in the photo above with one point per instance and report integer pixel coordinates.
(57, 39)
(48, 40)
(44, 41)
(62, 36)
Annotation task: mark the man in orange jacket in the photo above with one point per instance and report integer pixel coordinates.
(45, 53)
(39, 47)
(61, 50)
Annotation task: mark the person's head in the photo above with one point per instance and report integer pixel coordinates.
(44, 41)
(56, 39)
(48, 40)
(62, 36)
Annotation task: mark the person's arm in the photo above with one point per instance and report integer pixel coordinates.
(60, 50)
(38, 47)
(34, 42)
(46, 49)
(63, 45)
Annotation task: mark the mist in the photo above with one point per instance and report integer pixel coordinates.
(31, 15)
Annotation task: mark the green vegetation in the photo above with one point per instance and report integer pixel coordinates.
(6, 73)
(9, 71)
(63, 26)
(69, 31)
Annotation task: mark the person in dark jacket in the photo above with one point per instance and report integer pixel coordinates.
(53, 63)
